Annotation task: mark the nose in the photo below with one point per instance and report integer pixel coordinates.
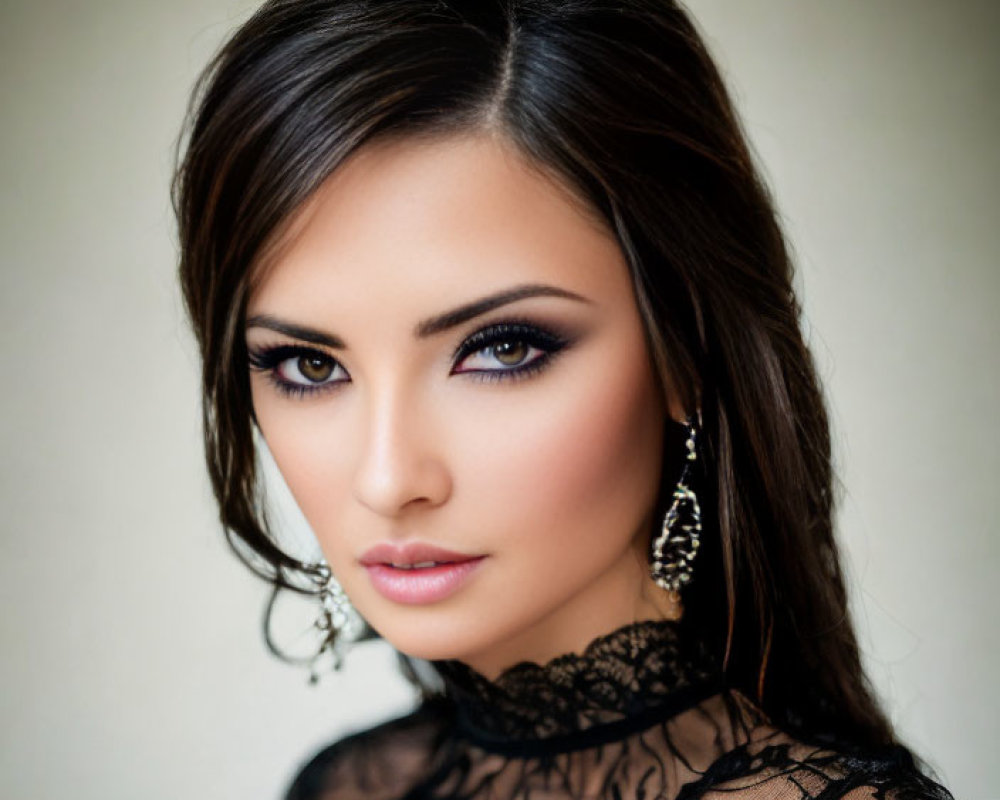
(400, 464)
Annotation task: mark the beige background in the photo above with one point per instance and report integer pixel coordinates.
(130, 660)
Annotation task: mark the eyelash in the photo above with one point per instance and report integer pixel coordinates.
(268, 359)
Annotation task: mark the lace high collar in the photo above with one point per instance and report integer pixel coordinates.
(633, 677)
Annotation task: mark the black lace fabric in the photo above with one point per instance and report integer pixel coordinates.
(639, 715)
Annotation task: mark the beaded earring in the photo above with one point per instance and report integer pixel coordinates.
(338, 622)
(674, 550)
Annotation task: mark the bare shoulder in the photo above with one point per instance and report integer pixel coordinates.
(379, 763)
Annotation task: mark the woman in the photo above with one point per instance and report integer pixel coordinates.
(500, 288)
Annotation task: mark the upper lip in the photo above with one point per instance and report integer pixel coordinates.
(410, 553)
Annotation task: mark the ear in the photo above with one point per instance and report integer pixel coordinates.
(676, 410)
(675, 405)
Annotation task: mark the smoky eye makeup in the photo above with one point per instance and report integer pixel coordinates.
(295, 370)
(520, 347)
(510, 349)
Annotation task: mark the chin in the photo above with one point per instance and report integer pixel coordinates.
(436, 637)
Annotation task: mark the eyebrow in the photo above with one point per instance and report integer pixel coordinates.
(428, 327)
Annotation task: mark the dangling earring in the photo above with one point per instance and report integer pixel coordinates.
(677, 545)
(338, 621)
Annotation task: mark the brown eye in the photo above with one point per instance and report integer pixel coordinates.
(315, 369)
(297, 371)
(507, 350)
(510, 353)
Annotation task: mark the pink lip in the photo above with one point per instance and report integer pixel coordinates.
(410, 553)
(418, 585)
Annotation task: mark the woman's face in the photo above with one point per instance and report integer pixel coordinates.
(405, 407)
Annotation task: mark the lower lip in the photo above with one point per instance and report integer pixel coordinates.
(419, 586)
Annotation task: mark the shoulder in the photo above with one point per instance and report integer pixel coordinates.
(778, 767)
(380, 763)
(891, 773)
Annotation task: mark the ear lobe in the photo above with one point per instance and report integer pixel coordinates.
(680, 405)
(676, 408)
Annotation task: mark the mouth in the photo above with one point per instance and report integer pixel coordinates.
(422, 582)
(413, 555)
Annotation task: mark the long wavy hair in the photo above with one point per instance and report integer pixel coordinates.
(621, 101)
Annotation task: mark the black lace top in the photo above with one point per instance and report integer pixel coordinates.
(639, 715)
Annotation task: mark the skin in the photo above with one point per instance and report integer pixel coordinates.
(553, 477)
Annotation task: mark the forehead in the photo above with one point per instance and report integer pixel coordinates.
(406, 220)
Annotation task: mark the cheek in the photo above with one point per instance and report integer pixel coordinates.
(308, 447)
(579, 465)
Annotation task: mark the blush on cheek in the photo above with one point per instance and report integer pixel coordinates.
(314, 463)
(607, 450)
(593, 464)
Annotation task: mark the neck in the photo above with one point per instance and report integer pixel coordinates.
(632, 677)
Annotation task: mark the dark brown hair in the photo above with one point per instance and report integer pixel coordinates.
(622, 102)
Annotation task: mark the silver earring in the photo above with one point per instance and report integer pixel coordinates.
(677, 545)
(338, 621)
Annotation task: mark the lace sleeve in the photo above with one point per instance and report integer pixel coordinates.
(381, 763)
(781, 769)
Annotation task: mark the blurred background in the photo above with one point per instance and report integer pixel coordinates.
(131, 661)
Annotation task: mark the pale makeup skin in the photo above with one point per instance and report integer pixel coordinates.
(551, 474)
